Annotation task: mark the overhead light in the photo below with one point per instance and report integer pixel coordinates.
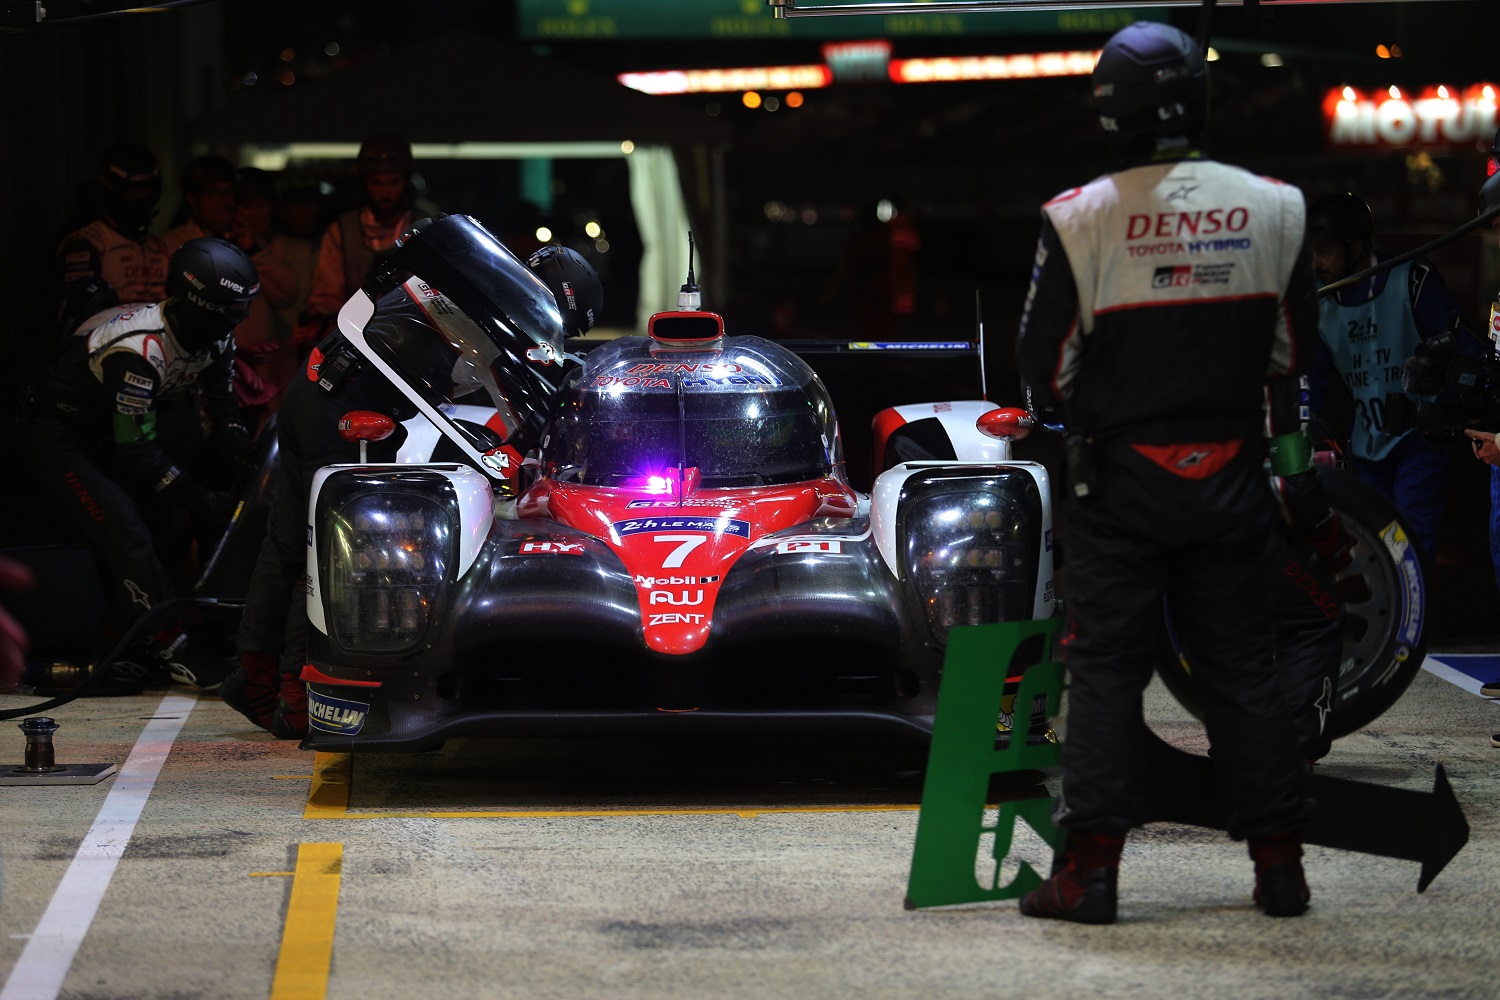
(794, 99)
(750, 99)
(1270, 60)
(1395, 92)
(1382, 52)
(1212, 56)
(543, 234)
(1349, 94)
(592, 229)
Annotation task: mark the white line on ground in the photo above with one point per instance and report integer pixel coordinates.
(1455, 677)
(44, 964)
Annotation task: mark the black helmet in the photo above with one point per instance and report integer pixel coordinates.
(383, 154)
(131, 179)
(1339, 218)
(574, 283)
(206, 170)
(210, 283)
(1150, 83)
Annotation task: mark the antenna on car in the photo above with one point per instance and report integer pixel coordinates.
(984, 389)
(688, 296)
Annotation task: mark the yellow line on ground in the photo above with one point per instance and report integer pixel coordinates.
(328, 796)
(307, 939)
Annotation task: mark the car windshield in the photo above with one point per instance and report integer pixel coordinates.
(748, 414)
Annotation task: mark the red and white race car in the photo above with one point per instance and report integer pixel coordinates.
(681, 550)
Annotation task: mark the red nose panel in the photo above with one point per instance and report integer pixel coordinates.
(678, 550)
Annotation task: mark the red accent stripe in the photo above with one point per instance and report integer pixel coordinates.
(1187, 302)
(314, 362)
(316, 676)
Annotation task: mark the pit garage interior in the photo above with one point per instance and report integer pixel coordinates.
(212, 861)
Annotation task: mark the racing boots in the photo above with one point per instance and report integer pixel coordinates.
(1082, 887)
(289, 721)
(254, 688)
(1280, 887)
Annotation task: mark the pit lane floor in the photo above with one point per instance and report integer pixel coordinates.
(727, 868)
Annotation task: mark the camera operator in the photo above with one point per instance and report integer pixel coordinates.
(1365, 332)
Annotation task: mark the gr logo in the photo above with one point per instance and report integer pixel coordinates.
(1179, 276)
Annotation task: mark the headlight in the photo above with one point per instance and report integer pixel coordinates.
(970, 546)
(387, 560)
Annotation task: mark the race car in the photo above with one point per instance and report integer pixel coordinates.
(667, 541)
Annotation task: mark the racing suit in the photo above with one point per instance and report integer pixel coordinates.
(1162, 298)
(1365, 334)
(136, 271)
(93, 438)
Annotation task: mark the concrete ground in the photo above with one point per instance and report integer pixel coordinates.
(551, 869)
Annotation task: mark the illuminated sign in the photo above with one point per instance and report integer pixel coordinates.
(1438, 117)
(1016, 67)
(562, 20)
(711, 81)
(947, 69)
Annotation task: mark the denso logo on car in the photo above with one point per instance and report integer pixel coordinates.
(335, 715)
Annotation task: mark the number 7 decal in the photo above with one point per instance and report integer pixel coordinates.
(689, 543)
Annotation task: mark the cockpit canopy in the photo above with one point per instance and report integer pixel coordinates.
(461, 325)
(744, 413)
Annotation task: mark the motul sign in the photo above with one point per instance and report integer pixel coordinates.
(1438, 117)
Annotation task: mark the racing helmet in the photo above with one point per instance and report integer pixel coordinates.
(1150, 83)
(131, 179)
(384, 153)
(574, 283)
(1340, 218)
(210, 284)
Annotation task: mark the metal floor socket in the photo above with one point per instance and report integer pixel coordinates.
(66, 774)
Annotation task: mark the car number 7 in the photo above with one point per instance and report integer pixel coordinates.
(689, 543)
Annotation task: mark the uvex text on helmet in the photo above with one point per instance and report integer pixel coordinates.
(574, 283)
(212, 282)
(1339, 218)
(1151, 82)
(385, 153)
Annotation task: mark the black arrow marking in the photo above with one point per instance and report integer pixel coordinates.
(1428, 827)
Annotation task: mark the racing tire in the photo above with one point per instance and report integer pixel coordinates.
(1384, 589)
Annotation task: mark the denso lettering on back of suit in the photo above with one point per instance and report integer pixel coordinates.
(1179, 224)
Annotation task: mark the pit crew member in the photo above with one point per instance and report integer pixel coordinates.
(1163, 297)
(92, 436)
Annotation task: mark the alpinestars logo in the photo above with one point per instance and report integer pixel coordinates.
(1191, 459)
